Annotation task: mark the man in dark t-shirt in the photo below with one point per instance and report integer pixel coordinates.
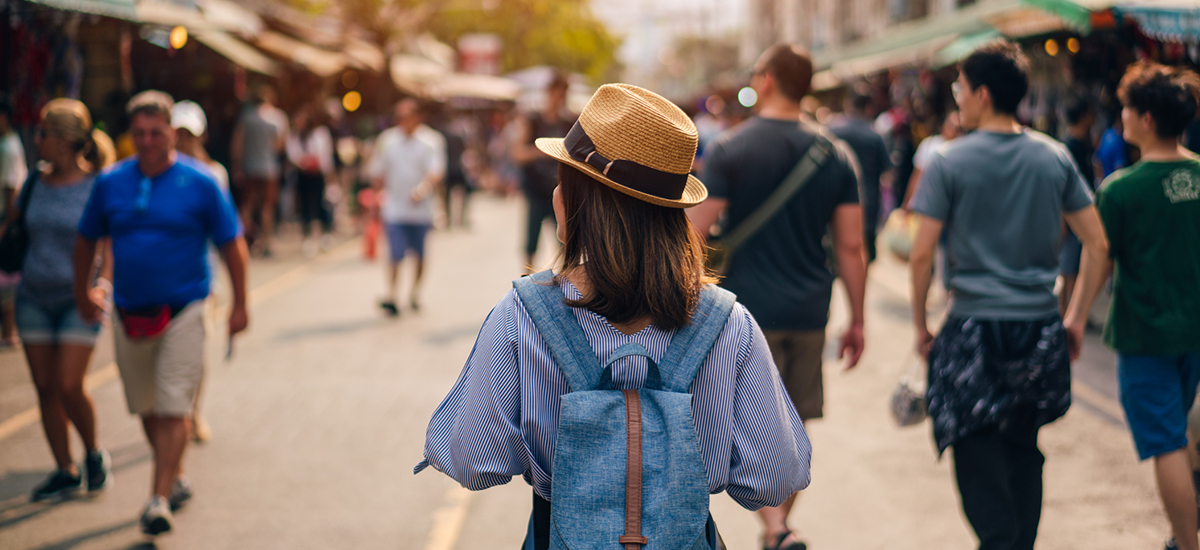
(1080, 118)
(780, 273)
(539, 172)
(855, 129)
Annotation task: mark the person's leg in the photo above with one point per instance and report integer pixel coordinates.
(797, 356)
(983, 474)
(539, 210)
(415, 238)
(73, 362)
(305, 187)
(252, 194)
(169, 437)
(1156, 392)
(270, 200)
(179, 367)
(1025, 476)
(398, 247)
(43, 368)
(1173, 473)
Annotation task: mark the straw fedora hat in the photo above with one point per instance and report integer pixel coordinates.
(635, 141)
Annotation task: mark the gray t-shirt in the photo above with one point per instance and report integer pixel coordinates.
(262, 128)
(52, 217)
(1002, 198)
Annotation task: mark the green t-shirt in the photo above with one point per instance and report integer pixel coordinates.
(1151, 212)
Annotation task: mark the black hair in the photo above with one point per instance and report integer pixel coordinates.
(1169, 94)
(1076, 109)
(792, 68)
(6, 108)
(1003, 69)
(859, 98)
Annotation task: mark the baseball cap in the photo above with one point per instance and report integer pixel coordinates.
(189, 116)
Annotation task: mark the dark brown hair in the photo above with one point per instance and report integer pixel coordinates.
(1004, 69)
(791, 67)
(1169, 94)
(642, 260)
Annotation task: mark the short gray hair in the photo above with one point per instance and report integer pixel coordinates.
(152, 103)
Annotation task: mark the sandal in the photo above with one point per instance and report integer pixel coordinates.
(779, 543)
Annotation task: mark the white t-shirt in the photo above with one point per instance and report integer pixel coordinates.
(317, 146)
(926, 149)
(12, 164)
(404, 161)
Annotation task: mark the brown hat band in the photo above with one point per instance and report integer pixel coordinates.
(635, 176)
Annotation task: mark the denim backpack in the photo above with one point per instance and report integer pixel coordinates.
(627, 470)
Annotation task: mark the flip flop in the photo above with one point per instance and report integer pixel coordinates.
(779, 543)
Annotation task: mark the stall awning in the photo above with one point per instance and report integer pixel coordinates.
(474, 86)
(120, 9)
(918, 34)
(321, 62)
(963, 46)
(240, 53)
(1167, 20)
(1076, 14)
(845, 69)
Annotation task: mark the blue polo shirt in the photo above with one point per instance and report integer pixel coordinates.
(160, 252)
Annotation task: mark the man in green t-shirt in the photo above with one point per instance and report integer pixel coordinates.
(1151, 212)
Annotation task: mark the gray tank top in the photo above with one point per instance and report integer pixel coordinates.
(53, 217)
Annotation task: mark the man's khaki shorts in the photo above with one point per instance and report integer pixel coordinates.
(797, 355)
(162, 374)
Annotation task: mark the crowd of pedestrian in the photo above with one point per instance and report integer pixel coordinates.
(1029, 230)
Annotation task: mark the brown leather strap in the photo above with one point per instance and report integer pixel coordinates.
(633, 538)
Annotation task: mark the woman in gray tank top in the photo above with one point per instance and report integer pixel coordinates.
(58, 343)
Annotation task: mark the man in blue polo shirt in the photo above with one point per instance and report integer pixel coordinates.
(160, 209)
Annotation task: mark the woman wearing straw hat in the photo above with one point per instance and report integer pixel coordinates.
(632, 271)
(58, 343)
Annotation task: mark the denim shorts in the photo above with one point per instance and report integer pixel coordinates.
(54, 323)
(1157, 392)
(403, 237)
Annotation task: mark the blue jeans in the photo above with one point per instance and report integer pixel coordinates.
(1157, 392)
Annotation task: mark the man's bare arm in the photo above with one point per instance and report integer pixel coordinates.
(847, 231)
(236, 257)
(705, 215)
(920, 262)
(1094, 268)
(522, 151)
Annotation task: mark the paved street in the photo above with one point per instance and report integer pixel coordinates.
(320, 415)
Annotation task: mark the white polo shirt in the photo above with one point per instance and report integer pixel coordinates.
(404, 161)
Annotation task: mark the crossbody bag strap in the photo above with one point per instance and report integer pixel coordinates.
(543, 301)
(26, 193)
(795, 180)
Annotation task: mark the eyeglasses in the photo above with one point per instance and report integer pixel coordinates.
(143, 198)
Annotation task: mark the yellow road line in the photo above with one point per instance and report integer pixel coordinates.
(267, 290)
(448, 520)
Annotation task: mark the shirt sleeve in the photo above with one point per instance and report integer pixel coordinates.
(1110, 218)
(715, 176)
(1076, 194)
(93, 225)
(848, 174)
(437, 161)
(223, 223)
(921, 157)
(474, 436)
(771, 451)
(933, 193)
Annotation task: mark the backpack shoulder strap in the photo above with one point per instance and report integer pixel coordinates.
(560, 329)
(691, 344)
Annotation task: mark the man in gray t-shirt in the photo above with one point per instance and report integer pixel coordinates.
(258, 141)
(1001, 197)
(999, 368)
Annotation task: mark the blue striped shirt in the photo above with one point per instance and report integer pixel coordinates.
(501, 417)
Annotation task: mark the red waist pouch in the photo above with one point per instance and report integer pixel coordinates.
(146, 323)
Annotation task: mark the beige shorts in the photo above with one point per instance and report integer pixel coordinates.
(797, 355)
(162, 374)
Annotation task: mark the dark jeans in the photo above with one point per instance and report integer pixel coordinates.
(310, 194)
(539, 210)
(999, 474)
(448, 198)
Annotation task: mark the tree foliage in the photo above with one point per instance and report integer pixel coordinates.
(560, 33)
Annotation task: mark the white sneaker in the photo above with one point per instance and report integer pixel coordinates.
(156, 517)
(181, 492)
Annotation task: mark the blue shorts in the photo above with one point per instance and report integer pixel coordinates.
(1157, 392)
(56, 323)
(403, 237)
